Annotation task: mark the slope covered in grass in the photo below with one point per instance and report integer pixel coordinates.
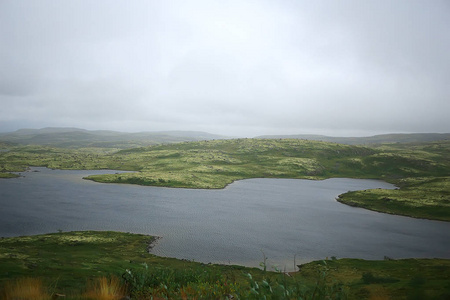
(213, 164)
(69, 262)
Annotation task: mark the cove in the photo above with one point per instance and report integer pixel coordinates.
(282, 218)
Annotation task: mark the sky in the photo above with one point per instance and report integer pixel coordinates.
(230, 67)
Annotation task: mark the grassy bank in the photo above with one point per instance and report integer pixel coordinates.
(8, 175)
(71, 263)
(427, 198)
(420, 170)
(67, 262)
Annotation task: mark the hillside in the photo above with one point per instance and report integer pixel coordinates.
(376, 139)
(81, 138)
(214, 164)
(67, 263)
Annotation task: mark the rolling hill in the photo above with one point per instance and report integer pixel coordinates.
(81, 138)
(376, 139)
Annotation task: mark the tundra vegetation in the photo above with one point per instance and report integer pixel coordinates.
(421, 171)
(81, 264)
(110, 265)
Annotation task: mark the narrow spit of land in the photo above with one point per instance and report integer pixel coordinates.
(421, 171)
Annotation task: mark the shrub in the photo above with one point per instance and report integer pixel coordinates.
(369, 278)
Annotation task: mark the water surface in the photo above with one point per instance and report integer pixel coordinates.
(281, 218)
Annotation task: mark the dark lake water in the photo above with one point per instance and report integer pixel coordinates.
(281, 218)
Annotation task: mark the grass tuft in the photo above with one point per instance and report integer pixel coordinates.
(25, 288)
(104, 288)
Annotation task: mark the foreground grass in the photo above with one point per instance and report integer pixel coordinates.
(420, 170)
(67, 260)
(85, 265)
(388, 279)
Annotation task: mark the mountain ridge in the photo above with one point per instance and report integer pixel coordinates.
(375, 139)
(72, 137)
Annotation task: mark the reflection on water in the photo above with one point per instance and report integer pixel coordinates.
(281, 218)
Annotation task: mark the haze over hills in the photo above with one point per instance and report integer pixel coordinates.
(76, 137)
(376, 139)
(69, 137)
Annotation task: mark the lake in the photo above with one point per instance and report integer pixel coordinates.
(282, 218)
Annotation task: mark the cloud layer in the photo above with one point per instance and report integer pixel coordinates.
(231, 67)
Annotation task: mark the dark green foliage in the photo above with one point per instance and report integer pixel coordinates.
(206, 282)
(417, 281)
(197, 281)
(369, 278)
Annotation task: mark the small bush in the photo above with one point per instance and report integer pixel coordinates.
(369, 278)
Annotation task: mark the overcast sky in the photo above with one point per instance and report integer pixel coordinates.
(241, 68)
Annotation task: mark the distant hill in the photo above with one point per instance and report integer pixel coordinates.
(376, 139)
(69, 137)
(76, 138)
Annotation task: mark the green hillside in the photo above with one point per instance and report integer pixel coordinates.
(68, 264)
(81, 138)
(369, 140)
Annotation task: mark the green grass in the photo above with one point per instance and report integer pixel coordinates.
(69, 259)
(214, 164)
(427, 198)
(387, 279)
(67, 262)
(8, 175)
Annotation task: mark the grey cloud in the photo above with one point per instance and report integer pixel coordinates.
(232, 67)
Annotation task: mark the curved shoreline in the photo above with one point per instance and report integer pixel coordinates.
(366, 201)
